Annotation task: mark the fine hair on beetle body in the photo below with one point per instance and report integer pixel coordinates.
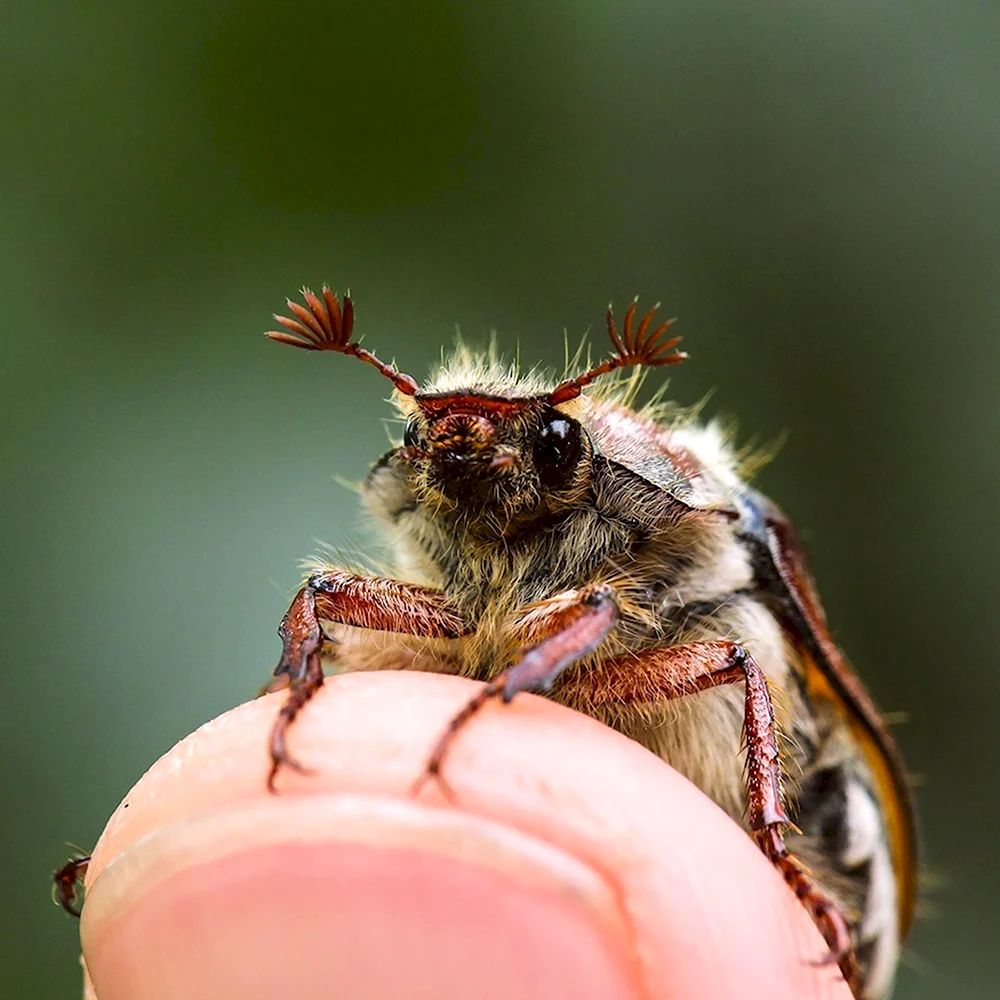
(504, 552)
(550, 536)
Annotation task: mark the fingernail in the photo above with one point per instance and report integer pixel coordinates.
(353, 897)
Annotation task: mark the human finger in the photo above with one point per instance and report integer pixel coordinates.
(572, 863)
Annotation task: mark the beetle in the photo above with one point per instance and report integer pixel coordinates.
(561, 540)
(566, 542)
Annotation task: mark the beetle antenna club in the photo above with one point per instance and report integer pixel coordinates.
(322, 325)
(635, 346)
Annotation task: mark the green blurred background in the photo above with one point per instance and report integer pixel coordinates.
(812, 187)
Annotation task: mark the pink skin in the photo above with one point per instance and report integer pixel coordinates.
(573, 864)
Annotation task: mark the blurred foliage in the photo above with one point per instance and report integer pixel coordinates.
(811, 187)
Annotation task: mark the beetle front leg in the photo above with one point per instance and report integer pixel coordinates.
(346, 599)
(676, 671)
(302, 638)
(567, 627)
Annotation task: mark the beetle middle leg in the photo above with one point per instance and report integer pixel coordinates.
(566, 627)
(676, 671)
(347, 599)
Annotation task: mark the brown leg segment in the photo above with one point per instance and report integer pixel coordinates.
(572, 625)
(676, 671)
(67, 884)
(364, 602)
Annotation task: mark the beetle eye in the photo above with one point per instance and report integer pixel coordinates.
(411, 433)
(557, 450)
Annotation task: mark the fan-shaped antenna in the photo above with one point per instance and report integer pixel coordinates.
(322, 325)
(635, 346)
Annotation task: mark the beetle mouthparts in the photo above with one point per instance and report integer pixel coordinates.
(464, 435)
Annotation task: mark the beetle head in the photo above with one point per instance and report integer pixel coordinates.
(488, 449)
(479, 450)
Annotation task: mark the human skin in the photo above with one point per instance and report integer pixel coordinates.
(571, 863)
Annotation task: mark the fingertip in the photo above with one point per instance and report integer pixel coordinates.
(358, 897)
(674, 895)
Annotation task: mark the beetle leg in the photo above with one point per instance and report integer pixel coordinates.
(567, 627)
(675, 671)
(66, 888)
(347, 599)
(301, 662)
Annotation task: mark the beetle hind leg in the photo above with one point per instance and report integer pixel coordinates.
(825, 913)
(67, 884)
(676, 671)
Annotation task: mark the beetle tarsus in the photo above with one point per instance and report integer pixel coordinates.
(570, 628)
(300, 691)
(824, 911)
